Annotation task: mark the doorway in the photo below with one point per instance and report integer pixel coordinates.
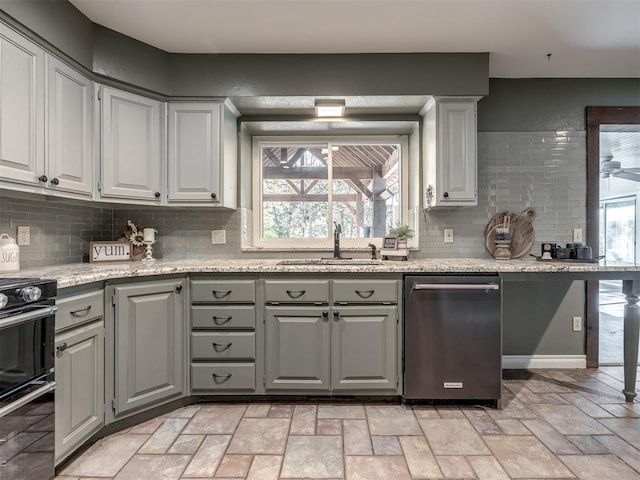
(618, 227)
(613, 188)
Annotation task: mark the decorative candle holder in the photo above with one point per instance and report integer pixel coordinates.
(148, 256)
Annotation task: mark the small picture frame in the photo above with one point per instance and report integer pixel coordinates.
(389, 243)
(109, 251)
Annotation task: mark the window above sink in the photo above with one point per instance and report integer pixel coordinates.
(304, 184)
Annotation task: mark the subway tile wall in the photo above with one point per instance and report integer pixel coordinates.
(516, 170)
(184, 232)
(60, 230)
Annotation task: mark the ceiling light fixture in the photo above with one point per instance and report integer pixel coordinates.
(329, 108)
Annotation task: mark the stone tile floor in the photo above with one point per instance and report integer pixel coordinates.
(554, 424)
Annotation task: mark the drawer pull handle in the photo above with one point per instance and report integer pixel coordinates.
(83, 312)
(220, 379)
(221, 347)
(221, 293)
(296, 293)
(365, 293)
(221, 320)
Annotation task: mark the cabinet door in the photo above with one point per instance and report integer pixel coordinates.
(131, 146)
(21, 108)
(364, 348)
(194, 152)
(457, 132)
(69, 154)
(79, 398)
(297, 348)
(149, 344)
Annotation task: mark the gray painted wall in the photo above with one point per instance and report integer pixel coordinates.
(550, 104)
(59, 23)
(132, 62)
(345, 74)
(122, 58)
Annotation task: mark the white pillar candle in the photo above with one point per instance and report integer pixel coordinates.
(149, 235)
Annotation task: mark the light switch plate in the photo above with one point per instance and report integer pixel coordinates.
(218, 237)
(448, 235)
(24, 235)
(577, 235)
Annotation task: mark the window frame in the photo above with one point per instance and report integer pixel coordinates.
(322, 244)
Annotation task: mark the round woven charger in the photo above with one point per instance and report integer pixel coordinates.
(522, 234)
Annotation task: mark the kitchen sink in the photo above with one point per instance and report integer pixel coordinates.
(330, 261)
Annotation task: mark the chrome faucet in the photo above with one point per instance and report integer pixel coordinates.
(337, 231)
(373, 251)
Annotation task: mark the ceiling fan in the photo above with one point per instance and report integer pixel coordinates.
(612, 168)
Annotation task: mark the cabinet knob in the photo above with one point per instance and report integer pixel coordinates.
(43, 178)
(325, 314)
(61, 347)
(55, 181)
(336, 315)
(178, 288)
(445, 194)
(214, 196)
(157, 194)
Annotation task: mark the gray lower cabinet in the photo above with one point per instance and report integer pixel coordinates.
(347, 342)
(223, 336)
(364, 347)
(149, 348)
(297, 348)
(79, 365)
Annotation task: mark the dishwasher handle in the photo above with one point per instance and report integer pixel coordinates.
(456, 286)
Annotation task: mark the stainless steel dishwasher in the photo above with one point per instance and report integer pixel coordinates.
(453, 338)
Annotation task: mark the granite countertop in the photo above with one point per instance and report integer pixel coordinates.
(83, 273)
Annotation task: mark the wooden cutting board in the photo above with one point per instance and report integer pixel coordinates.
(522, 234)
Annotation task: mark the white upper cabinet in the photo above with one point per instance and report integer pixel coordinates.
(450, 152)
(132, 152)
(69, 130)
(202, 154)
(21, 109)
(45, 121)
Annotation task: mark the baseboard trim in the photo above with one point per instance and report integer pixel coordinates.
(543, 361)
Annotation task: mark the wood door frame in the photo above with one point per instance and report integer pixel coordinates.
(597, 116)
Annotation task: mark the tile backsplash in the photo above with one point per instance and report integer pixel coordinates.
(60, 230)
(516, 170)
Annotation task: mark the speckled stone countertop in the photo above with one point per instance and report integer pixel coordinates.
(83, 273)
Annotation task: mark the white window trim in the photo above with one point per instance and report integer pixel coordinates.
(323, 244)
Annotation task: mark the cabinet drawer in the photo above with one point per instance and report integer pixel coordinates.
(298, 291)
(365, 291)
(213, 316)
(223, 376)
(222, 345)
(79, 309)
(223, 291)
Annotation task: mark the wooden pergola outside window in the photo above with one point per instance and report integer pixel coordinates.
(305, 187)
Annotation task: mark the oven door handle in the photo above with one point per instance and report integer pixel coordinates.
(30, 397)
(25, 317)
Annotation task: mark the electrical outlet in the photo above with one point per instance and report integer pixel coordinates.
(218, 237)
(24, 235)
(577, 324)
(577, 235)
(448, 235)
